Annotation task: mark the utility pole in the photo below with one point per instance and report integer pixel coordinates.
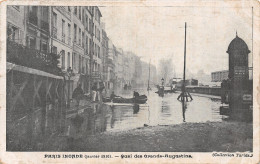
(184, 94)
(184, 69)
(148, 87)
(252, 36)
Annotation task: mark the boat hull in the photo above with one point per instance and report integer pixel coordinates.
(140, 100)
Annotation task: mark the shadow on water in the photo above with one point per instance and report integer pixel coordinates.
(136, 108)
(184, 107)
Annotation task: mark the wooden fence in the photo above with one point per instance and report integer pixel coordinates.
(35, 102)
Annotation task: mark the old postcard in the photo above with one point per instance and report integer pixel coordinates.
(129, 81)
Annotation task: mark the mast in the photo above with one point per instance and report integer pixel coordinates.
(148, 87)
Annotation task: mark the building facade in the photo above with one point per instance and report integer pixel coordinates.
(97, 39)
(16, 24)
(119, 61)
(105, 65)
(71, 41)
(219, 76)
(110, 64)
(62, 32)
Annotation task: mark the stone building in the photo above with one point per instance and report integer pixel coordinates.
(119, 68)
(16, 24)
(131, 65)
(97, 38)
(219, 76)
(105, 64)
(110, 64)
(71, 37)
(73, 34)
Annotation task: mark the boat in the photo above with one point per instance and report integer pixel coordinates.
(169, 90)
(138, 100)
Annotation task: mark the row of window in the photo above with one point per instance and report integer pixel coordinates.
(96, 67)
(43, 22)
(78, 12)
(97, 33)
(31, 42)
(63, 59)
(97, 50)
(219, 76)
(33, 10)
(79, 64)
(79, 36)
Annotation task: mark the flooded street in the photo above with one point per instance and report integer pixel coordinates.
(160, 125)
(35, 131)
(165, 110)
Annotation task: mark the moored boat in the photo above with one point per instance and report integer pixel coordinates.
(138, 100)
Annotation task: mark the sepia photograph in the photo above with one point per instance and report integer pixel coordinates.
(131, 78)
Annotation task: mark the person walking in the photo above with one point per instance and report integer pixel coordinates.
(100, 90)
(94, 91)
(112, 96)
(78, 94)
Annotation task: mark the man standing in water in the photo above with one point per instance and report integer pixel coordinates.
(77, 94)
(94, 91)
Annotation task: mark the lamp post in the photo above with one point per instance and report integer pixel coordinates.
(69, 74)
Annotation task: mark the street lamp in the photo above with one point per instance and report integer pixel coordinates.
(69, 74)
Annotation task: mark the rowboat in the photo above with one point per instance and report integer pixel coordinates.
(138, 100)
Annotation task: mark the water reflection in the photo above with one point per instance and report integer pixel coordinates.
(158, 111)
(136, 108)
(184, 107)
(99, 118)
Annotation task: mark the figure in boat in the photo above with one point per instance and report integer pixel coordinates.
(137, 98)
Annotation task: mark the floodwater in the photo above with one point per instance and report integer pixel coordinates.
(31, 132)
(165, 110)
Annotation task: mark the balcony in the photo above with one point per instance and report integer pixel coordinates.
(63, 38)
(45, 26)
(54, 32)
(33, 19)
(32, 58)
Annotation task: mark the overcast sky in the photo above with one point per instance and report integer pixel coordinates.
(158, 32)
